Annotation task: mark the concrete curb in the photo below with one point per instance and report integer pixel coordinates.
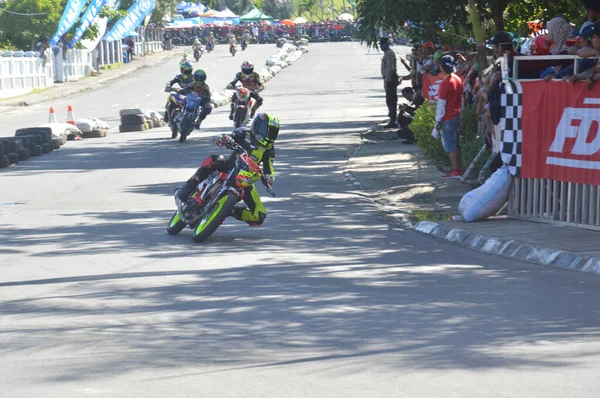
(511, 248)
(94, 84)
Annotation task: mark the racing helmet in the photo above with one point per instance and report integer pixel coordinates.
(200, 76)
(186, 69)
(265, 129)
(247, 68)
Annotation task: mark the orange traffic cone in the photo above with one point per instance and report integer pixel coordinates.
(51, 116)
(70, 116)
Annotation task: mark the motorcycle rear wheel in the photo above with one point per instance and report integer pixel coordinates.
(215, 217)
(175, 225)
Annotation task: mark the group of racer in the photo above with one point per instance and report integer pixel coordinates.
(257, 140)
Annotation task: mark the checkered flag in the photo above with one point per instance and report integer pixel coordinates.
(511, 102)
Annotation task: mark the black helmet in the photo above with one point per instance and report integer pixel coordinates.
(200, 76)
(247, 68)
(265, 128)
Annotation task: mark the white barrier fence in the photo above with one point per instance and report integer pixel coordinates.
(21, 73)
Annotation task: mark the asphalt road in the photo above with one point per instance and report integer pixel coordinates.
(324, 300)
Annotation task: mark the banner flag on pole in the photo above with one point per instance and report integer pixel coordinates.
(88, 17)
(70, 14)
(135, 16)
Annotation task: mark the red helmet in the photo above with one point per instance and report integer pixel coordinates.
(541, 44)
(247, 68)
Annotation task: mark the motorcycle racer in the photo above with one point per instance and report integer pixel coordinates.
(184, 80)
(258, 142)
(251, 81)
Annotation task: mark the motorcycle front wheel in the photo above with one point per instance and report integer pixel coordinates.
(187, 124)
(214, 217)
(174, 130)
(240, 115)
(176, 225)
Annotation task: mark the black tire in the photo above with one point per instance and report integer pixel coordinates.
(13, 158)
(95, 134)
(174, 130)
(126, 112)
(211, 226)
(127, 128)
(189, 124)
(36, 150)
(1, 148)
(36, 139)
(240, 114)
(13, 144)
(26, 141)
(4, 162)
(177, 227)
(46, 132)
(133, 119)
(56, 143)
(46, 147)
(24, 154)
(150, 123)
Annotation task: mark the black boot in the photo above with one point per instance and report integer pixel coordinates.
(186, 190)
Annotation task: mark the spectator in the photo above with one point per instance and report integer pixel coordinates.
(593, 74)
(592, 9)
(130, 46)
(584, 48)
(559, 31)
(448, 115)
(390, 80)
(406, 114)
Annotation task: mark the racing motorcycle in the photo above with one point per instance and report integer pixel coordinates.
(209, 46)
(244, 44)
(242, 108)
(176, 99)
(214, 198)
(190, 104)
(197, 54)
(232, 49)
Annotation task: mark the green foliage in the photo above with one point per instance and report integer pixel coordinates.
(422, 125)
(21, 31)
(162, 8)
(432, 148)
(519, 13)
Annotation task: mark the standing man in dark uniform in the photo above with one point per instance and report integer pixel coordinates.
(390, 80)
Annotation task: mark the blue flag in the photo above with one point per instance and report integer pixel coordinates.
(135, 16)
(70, 14)
(88, 17)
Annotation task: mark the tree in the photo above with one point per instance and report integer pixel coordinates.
(307, 7)
(40, 18)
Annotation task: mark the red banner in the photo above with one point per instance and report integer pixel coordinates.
(431, 85)
(561, 132)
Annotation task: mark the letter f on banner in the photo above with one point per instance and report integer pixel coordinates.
(589, 124)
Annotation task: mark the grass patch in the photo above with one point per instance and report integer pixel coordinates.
(429, 215)
(112, 66)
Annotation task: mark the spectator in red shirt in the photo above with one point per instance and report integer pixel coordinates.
(448, 114)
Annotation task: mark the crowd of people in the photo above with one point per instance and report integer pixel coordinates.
(464, 84)
(261, 33)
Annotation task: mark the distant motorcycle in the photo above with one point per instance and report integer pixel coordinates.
(209, 46)
(244, 44)
(232, 49)
(190, 104)
(197, 54)
(175, 99)
(243, 107)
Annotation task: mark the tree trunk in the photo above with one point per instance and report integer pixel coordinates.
(478, 33)
(498, 8)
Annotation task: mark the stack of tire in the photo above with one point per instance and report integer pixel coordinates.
(27, 143)
(133, 120)
(155, 119)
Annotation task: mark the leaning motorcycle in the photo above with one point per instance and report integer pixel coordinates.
(242, 107)
(214, 198)
(209, 46)
(190, 104)
(232, 49)
(244, 44)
